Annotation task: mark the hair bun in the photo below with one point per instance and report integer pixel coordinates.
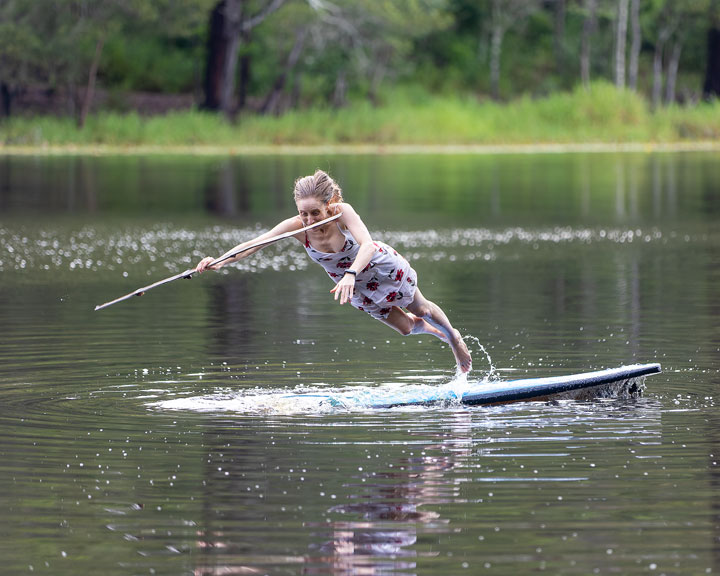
(320, 185)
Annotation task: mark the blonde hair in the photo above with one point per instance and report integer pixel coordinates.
(320, 185)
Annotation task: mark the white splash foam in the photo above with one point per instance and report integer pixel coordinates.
(322, 400)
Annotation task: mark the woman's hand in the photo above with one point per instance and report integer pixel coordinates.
(204, 264)
(345, 288)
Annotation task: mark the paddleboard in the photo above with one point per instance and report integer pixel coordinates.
(625, 381)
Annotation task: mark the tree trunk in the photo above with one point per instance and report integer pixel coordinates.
(245, 72)
(295, 92)
(711, 88)
(658, 72)
(377, 77)
(228, 25)
(72, 98)
(231, 31)
(620, 43)
(92, 77)
(672, 70)
(636, 44)
(216, 48)
(495, 54)
(339, 97)
(496, 40)
(380, 67)
(272, 102)
(664, 36)
(588, 29)
(559, 40)
(5, 100)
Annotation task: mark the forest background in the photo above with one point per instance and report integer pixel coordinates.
(243, 73)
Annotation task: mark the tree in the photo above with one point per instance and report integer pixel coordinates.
(363, 43)
(589, 28)
(504, 15)
(59, 45)
(276, 54)
(636, 44)
(560, 15)
(711, 86)
(20, 53)
(272, 101)
(620, 42)
(391, 29)
(81, 27)
(671, 22)
(230, 20)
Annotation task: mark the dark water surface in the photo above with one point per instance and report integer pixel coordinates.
(551, 263)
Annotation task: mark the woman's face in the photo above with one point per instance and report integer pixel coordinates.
(312, 210)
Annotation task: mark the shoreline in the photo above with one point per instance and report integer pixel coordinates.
(361, 149)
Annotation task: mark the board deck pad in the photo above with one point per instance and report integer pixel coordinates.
(624, 382)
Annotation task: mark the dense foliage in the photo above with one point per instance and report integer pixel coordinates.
(272, 56)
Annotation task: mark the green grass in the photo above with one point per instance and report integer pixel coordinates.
(601, 114)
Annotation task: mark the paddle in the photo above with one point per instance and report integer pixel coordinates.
(191, 271)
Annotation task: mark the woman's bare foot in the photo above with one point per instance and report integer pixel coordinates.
(461, 352)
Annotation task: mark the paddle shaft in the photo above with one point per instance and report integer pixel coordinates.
(190, 272)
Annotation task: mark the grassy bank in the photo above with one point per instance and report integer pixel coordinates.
(601, 115)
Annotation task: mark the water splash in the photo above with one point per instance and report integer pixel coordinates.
(322, 399)
(492, 373)
(304, 400)
(459, 383)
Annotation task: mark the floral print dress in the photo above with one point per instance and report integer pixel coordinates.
(387, 281)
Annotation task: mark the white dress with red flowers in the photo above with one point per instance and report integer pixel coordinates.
(387, 281)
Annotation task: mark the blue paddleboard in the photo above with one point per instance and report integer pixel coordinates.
(626, 381)
(623, 381)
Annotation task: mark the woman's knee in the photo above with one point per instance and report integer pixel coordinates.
(400, 321)
(421, 306)
(422, 309)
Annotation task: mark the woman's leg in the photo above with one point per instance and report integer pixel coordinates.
(433, 315)
(407, 323)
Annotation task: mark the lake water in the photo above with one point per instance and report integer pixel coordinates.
(548, 264)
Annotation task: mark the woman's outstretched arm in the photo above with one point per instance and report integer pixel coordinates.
(283, 227)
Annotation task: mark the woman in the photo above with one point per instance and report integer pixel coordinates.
(370, 275)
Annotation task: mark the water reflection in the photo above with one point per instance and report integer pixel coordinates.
(605, 186)
(519, 468)
(554, 279)
(664, 187)
(381, 533)
(374, 531)
(225, 194)
(233, 319)
(378, 532)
